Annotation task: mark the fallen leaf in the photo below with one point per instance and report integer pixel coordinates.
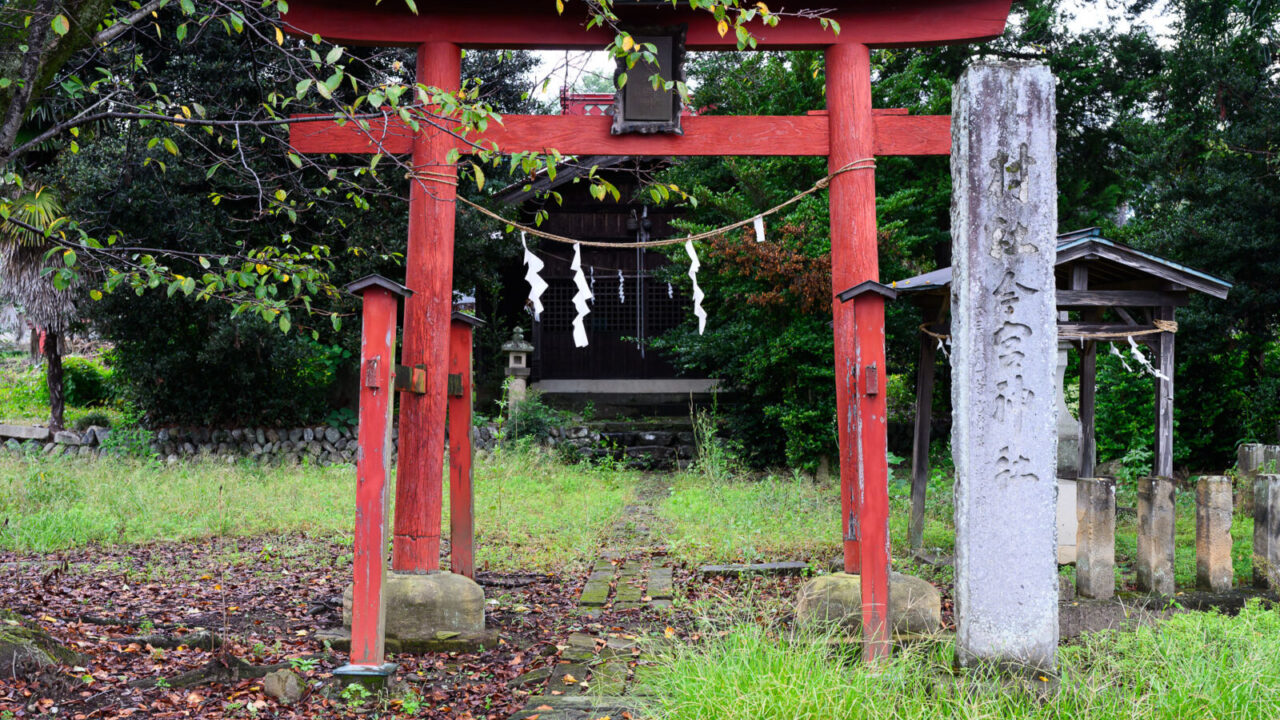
(569, 679)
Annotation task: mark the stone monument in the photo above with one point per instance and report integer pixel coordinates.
(1004, 333)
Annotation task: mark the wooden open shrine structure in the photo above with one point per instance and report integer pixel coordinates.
(1094, 275)
(849, 134)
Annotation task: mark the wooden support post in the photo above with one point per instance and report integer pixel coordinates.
(859, 338)
(1088, 378)
(429, 272)
(373, 470)
(1164, 400)
(1088, 407)
(920, 447)
(461, 509)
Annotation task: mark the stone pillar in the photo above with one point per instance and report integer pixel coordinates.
(1096, 540)
(1266, 531)
(1251, 459)
(1213, 534)
(1155, 535)
(1003, 329)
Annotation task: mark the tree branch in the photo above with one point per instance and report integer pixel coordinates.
(111, 33)
(27, 73)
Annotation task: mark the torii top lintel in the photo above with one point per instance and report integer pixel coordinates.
(533, 24)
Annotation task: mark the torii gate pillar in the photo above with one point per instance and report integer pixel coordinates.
(427, 315)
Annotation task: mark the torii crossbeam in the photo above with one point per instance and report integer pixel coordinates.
(849, 131)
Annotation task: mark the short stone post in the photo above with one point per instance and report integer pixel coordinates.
(1003, 329)
(1155, 535)
(1266, 531)
(1096, 538)
(1252, 459)
(1213, 534)
(517, 350)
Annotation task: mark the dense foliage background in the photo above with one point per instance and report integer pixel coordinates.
(1168, 145)
(1170, 142)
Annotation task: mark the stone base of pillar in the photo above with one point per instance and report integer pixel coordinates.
(1214, 571)
(430, 612)
(835, 601)
(1155, 535)
(1096, 539)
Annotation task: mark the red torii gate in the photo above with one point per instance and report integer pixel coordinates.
(849, 131)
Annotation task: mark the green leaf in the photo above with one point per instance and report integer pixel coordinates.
(171, 146)
(285, 324)
(333, 55)
(60, 24)
(479, 177)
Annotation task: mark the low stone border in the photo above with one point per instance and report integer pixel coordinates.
(324, 445)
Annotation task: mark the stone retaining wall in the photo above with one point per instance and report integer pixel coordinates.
(324, 445)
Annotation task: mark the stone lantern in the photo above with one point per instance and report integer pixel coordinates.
(517, 350)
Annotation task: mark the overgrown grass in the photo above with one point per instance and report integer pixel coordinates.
(1196, 665)
(531, 513)
(775, 518)
(747, 520)
(25, 400)
(772, 518)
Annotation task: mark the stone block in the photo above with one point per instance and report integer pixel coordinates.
(915, 606)
(774, 568)
(1266, 531)
(284, 686)
(66, 437)
(1155, 535)
(422, 609)
(1096, 538)
(1214, 571)
(26, 432)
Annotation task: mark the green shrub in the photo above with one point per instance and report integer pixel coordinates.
(85, 381)
(534, 418)
(95, 417)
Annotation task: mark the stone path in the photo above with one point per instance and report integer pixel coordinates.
(629, 588)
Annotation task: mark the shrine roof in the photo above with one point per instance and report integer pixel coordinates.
(534, 24)
(1109, 262)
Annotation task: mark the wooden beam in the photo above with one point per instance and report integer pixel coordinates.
(1164, 401)
(710, 135)
(1123, 298)
(525, 25)
(920, 443)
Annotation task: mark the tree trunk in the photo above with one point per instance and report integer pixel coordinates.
(33, 351)
(53, 376)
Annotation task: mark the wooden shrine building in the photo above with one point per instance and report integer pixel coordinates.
(1106, 292)
(618, 371)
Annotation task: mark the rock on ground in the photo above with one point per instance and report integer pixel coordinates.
(915, 606)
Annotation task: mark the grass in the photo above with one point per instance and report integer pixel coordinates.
(775, 518)
(25, 400)
(531, 513)
(1196, 665)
